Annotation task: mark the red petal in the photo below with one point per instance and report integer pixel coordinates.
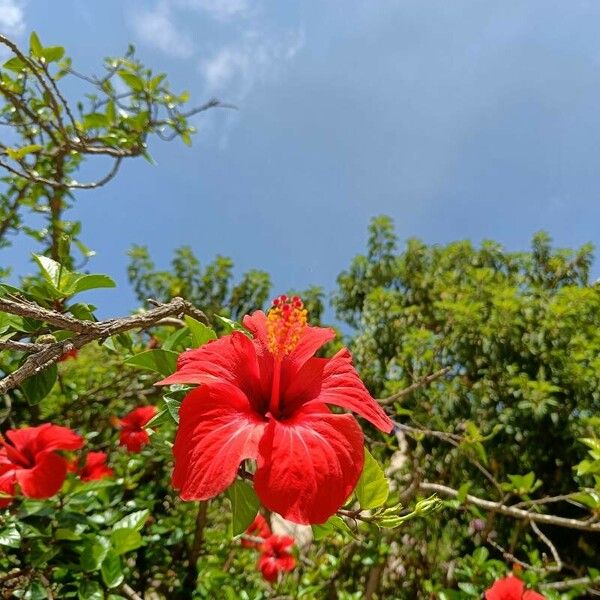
(134, 441)
(95, 467)
(46, 477)
(138, 417)
(230, 359)
(309, 464)
(506, 588)
(256, 324)
(334, 381)
(45, 437)
(8, 482)
(531, 595)
(217, 430)
(311, 340)
(268, 567)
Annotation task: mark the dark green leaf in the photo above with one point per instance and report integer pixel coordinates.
(244, 505)
(94, 552)
(90, 590)
(135, 520)
(126, 539)
(112, 570)
(10, 537)
(38, 386)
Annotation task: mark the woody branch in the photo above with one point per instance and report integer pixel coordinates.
(44, 355)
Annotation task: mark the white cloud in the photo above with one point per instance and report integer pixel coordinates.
(236, 68)
(221, 10)
(157, 28)
(12, 17)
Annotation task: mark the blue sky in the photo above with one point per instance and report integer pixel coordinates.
(460, 119)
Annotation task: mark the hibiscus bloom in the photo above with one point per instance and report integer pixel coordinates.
(266, 399)
(511, 588)
(28, 458)
(94, 468)
(133, 432)
(276, 557)
(258, 528)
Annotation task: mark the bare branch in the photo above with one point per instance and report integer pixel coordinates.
(90, 331)
(510, 511)
(414, 386)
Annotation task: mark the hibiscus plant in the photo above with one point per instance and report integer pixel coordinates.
(213, 444)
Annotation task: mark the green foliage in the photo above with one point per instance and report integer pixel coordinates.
(518, 335)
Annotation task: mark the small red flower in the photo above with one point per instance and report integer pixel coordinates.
(28, 459)
(133, 433)
(94, 468)
(68, 355)
(511, 588)
(276, 557)
(266, 399)
(258, 528)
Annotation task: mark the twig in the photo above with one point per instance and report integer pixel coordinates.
(130, 592)
(510, 511)
(191, 577)
(24, 308)
(414, 386)
(569, 583)
(559, 565)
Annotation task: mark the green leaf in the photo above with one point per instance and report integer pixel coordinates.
(52, 53)
(126, 539)
(50, 269)
(36, 591)
(35, 45)
(244, 506)
(112, 570)
(38, 386)
(173, 406)
(158, 360)
(373, 488)
(90, 282)
(94, 552)
(10, 537)
(230, 325)
(95, 120)
(332, 525)
(201, 333)
(133, 81)
(135, 520)
(67, 534)
(19, 153)
(90, 590)
(15, 64)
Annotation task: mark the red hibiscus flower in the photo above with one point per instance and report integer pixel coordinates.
(276, 557)
(94, 468)
(133, 433)
(511, 588)
(266, 399)
(259, 528)
(28, 458)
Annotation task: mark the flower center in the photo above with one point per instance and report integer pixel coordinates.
(285, 323)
